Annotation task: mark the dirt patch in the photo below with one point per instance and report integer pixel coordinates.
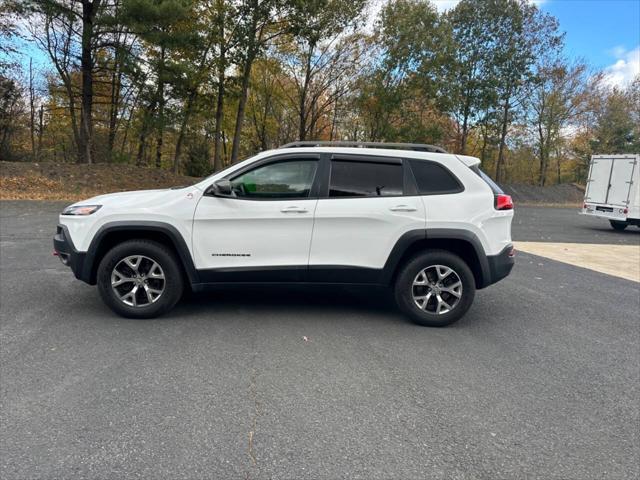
(64, 181)
(52, 181)
(563, 195)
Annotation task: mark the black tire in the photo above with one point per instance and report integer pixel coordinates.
(617, 225)
(153, 251)
(404, 288)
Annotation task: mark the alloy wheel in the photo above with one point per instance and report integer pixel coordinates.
(138, 281)
(437, 289)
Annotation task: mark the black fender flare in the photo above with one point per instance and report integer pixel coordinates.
(412, 236)
(169, 230)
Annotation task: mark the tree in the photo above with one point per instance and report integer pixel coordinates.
(522, 33)
(69, 30)
(401, 98)
(164, 27)
(10, 110)
(561, 95)
(315, 31)
(618, 122)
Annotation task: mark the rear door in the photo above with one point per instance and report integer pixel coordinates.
(621, 176)
(365, 212)
(598, 184)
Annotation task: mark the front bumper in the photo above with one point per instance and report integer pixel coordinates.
(63, 247)
(500, 265)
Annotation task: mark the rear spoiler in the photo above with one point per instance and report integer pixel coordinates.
(469, 161)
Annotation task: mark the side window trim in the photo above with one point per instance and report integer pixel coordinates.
(357, 158)
(314, 192)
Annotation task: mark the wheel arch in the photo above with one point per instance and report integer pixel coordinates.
(463, 243)
(114, 233)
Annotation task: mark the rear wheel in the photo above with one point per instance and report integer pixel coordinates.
(435, 289)
(140, 279)
(618, 225)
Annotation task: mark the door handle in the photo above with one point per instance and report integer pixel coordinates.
(403, 208)
(294, 209)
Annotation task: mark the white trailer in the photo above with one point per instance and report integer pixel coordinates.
(613, 190)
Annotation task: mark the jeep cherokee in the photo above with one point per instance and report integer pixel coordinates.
(428, 224)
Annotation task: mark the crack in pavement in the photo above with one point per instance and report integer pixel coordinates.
(257, 411)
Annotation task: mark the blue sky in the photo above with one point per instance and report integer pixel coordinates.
(605, 33)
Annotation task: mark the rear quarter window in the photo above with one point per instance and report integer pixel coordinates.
(434, 179)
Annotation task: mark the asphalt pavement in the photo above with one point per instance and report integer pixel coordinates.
(541, 378)
(545, 224)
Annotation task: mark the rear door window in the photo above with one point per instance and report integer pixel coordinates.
(365, 179)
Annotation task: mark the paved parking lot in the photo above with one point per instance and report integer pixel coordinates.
(541, 379)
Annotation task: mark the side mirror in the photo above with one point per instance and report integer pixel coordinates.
(222, 188)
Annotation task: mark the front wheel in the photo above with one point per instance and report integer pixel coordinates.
(435, 289)
(140, 279)
(618, 225)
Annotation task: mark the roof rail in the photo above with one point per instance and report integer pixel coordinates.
(417, 147)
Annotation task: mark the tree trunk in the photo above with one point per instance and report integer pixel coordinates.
(144, 131)
(242, 103)
(217, 139)
(558, 166)
(40, 130)
(32, 112)
(183, 128)
(252, 50)
(334, 121)
(485, 139)
(503, 137)
(302, 130)
(114, 106)
(465, 126)
(133, 108)
(160, 103)
(86, 69)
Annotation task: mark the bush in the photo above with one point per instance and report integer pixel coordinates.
(198, 164)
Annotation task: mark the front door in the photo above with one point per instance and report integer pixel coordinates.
(263, 227)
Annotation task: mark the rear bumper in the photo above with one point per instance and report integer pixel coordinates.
(66, 251)
(500, 265)
(610, 212)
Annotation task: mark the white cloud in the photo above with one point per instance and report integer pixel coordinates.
(443, 5)
(625, 69)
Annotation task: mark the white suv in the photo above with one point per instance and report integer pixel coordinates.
(429, 224)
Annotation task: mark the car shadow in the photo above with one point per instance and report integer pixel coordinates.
(283, 299)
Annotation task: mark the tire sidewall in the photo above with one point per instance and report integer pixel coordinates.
(404, 288)
(618, 225)
(155, 251)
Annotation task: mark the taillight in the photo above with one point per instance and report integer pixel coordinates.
(503, 202)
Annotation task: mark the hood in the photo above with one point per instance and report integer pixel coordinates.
(138, 198)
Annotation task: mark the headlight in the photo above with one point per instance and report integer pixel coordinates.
(81, 209)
